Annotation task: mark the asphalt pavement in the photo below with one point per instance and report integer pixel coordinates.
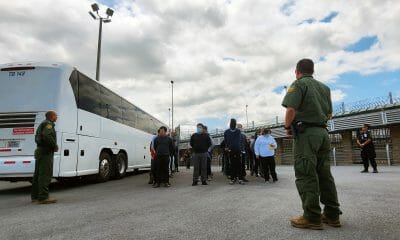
(130, 209)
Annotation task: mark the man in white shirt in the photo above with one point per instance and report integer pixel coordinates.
(264, 149)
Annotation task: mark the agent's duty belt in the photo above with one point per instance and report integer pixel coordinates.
(300, 126)
(307, 125)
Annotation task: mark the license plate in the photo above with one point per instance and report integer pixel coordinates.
(13, 144)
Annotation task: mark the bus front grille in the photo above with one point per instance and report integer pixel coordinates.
(17, 120)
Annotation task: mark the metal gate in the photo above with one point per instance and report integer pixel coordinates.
(287, 151)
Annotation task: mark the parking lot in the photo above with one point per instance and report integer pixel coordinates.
(131, 209)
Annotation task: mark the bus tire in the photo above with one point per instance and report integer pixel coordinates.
(120, 165)
(105, 167)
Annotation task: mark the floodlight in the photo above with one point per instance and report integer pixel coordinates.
(109, 12)
(95, 7)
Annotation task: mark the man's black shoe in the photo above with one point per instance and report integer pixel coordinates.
(156, 185)
(364, 171)
(204, 183)
(375, 171)
(194, 183)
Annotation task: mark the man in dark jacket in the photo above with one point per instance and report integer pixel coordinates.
(200, 143)
(243, 142)
(364, 140)
(163, 147)
(233, 138)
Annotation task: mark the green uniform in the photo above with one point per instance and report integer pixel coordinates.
(311, 100)
(46, 141)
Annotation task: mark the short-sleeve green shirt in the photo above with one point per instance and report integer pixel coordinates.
(311, 100)
(46, 135)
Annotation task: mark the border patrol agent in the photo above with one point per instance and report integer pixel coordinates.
(308, 108)
(46, 141)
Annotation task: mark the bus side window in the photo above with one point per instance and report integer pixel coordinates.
(73, 80)
(111, 104)
(89, 95)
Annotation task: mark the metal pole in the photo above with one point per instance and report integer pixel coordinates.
(99, 50)
(387, 154)
(172, 122)
(169, 118)
(390, 98)
(247, 118)
(334, 156)
(343, 110)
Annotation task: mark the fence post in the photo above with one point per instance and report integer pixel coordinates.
(387, 154)
(343, 110)
(334, 156)
(390, 98)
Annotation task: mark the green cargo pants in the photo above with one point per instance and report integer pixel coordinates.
(314, 180)
(43, 174)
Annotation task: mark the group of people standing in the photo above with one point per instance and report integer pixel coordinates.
(308, 108)
(239, 151)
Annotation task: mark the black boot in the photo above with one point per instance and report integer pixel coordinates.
(151, 180)
(194, 183)
(204, 183)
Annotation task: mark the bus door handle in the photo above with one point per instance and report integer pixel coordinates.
(70, 140)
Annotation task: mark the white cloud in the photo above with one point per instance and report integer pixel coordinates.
(337, 95)
(149, 43)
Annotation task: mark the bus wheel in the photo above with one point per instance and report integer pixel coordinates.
(120, 165)
(104, 167)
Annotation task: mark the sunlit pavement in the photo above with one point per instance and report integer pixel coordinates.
(131, 209)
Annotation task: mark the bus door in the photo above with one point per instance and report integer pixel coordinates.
(69, 155)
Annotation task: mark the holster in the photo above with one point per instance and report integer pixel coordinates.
(297, 128)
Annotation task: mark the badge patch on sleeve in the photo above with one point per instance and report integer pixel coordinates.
(291, 89)
(49, 126)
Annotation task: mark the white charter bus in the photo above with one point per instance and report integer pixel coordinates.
(98, 132)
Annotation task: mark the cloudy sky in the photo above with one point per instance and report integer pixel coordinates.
(222, 55)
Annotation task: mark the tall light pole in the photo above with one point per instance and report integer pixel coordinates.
(172, 107)
(247, 118)
(101, 19)
(169, 118)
